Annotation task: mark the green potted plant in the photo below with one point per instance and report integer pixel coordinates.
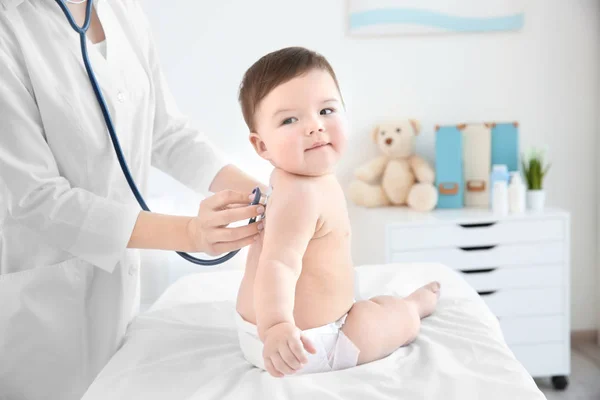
(535, 171)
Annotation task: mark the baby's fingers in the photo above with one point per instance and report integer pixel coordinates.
(289, 355)
(280, 365)
(308, 345)
(297, 348)
(271, 369)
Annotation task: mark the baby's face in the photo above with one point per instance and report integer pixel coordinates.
(301, 125)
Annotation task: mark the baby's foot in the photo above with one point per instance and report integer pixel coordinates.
(426, 298)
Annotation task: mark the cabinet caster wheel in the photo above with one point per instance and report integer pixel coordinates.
(560, 382)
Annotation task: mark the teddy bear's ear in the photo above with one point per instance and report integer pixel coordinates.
(416, 126)
(374, 133)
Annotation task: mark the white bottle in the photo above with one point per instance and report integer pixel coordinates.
(516, 193)
(500, 198)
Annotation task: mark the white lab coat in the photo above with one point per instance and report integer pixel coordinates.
(68, 284)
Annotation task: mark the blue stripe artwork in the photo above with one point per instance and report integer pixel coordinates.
(394, 17)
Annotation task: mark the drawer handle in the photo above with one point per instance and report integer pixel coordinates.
(478, 271)
(448, 188)
(486, 292)
(478, 225)
(477, 248)
(476, 185)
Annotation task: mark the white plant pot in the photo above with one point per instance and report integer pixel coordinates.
(536, 200)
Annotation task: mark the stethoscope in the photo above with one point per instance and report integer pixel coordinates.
(111, 129)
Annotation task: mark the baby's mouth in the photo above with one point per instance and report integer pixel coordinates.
(318, 145)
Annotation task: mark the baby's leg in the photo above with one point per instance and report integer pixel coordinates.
(381, 325)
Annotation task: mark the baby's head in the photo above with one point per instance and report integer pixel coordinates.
(294, 110)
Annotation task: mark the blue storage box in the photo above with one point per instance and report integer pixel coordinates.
(505, 145)
(449, 177)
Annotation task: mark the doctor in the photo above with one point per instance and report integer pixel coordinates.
(69, 271)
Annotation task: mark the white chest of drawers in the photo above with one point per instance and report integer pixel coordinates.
(518, 263)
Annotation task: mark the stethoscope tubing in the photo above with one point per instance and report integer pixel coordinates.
(81, 30)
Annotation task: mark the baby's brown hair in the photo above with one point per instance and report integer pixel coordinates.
(274, 69)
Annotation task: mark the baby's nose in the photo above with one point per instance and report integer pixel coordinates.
(315, 131)
(389, 141)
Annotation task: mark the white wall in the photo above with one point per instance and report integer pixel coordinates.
(546, 77)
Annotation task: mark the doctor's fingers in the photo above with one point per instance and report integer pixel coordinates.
(225, 247)
(226, 217)
(221, 199)
(233, 234)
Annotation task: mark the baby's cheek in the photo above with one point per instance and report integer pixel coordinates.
(339, 142)
(293, 150)
(292, 157)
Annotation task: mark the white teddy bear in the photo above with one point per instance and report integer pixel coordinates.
(397, 176)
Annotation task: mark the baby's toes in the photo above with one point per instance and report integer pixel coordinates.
(434, 287)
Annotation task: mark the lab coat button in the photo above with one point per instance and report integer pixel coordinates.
(121, 97)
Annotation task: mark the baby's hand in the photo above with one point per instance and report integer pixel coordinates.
(283, 351)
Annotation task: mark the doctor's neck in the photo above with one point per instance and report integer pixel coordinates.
(95, 32)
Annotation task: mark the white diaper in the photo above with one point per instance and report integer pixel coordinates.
(335, 350)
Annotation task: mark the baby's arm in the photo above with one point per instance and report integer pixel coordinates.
(292, 215)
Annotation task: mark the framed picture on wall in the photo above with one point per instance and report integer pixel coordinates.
(410, 17)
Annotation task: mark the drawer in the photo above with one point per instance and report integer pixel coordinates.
(406, 237)
(515, 277)
(465, 258)
(534, 330)
(546, 359)
(525, 302)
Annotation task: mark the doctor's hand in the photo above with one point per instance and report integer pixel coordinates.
(283, 350)
(209, 232)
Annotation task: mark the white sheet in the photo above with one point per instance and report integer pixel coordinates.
(185, 347)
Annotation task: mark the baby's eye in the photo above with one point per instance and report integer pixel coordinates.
(289, 120)
(326, 111)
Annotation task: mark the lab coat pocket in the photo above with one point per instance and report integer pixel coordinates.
(65, 120)
(77, 132)
(42, 328)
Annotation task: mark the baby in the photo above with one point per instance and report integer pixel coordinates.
(295, 310)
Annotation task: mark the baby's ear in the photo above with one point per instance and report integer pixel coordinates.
(259, 145)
